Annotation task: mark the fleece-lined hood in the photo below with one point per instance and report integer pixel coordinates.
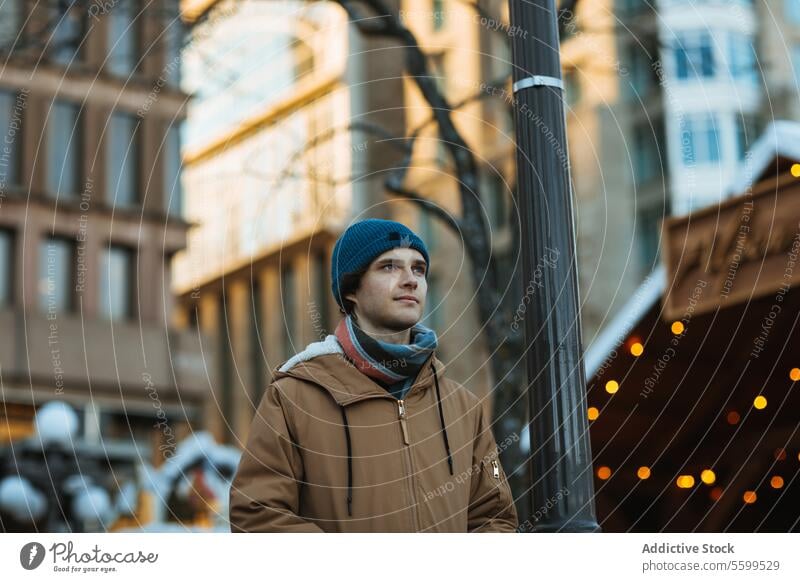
(325, 364)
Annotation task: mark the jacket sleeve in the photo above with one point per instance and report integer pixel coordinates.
(265, 492)
(491, 506)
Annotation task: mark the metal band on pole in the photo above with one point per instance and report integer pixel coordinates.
(538, 81)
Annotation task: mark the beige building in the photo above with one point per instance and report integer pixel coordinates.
(90, 217)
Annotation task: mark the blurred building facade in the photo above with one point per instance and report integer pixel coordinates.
(663, 101)
(90, 216)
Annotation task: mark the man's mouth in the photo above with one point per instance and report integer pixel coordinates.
(409, 299)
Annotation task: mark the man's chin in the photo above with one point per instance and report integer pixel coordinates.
(401, 322)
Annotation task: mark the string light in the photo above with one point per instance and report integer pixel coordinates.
(708, 477)
(677, 327)
(637, 349)
(760, 402)
(794, 374)
(643, 473)
(593, 413)
(715, 493)
(749, 497)
(776, 482)
(612, 386)
(685, 481)
(604, 473)
(796, 170)
(733, 417)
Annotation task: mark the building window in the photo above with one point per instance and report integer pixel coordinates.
(6, 267)
(123, 38)
(694, 55)
(226, 368)
(321, 318)
(632, 7)
(174, 36)
(648, 146)
(288, 296)
(427, 230)
(438, 73)
(792, 9)
(495, 196)
(10, 23)
(746, 134)
(437, 11)
(116, 282)
(699, 139)
(568, 24)
(56, 262)
(796, 61)
(256, 340)
(128, 427)
(742, 57)
(572, 87)
(11, 135)
(650, 234)
(122, 175)
(69, 28)
(643, 77)
(64, 149)
(433, 307)
(173, 190)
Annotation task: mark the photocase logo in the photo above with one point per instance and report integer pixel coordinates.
(31, 555)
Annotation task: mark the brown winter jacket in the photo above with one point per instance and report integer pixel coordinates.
(329, 450)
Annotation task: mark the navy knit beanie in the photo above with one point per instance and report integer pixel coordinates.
(363, 241)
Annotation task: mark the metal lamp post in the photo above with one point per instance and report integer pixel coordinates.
(562, 491)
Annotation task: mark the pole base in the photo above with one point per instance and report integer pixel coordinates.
(571, 526)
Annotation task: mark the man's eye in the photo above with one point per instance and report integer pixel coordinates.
(388, 265)
(421, 270)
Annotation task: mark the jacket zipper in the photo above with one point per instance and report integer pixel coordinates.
(495, 470)
(401, 408)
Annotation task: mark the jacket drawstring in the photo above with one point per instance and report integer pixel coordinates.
(350, 447)
(441, 418)
(349, 464)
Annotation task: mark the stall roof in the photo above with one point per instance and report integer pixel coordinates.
(781, 139)
(612, 335)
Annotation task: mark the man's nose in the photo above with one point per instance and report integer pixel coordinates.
(409, 280)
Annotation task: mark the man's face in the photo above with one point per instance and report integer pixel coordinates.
(392, 290)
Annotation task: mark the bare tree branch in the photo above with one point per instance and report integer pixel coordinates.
(474, 228)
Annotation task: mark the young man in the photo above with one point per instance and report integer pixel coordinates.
(362, 432)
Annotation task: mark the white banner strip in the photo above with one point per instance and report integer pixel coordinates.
(401, 557)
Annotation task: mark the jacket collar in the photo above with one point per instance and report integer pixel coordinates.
(346, 384)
